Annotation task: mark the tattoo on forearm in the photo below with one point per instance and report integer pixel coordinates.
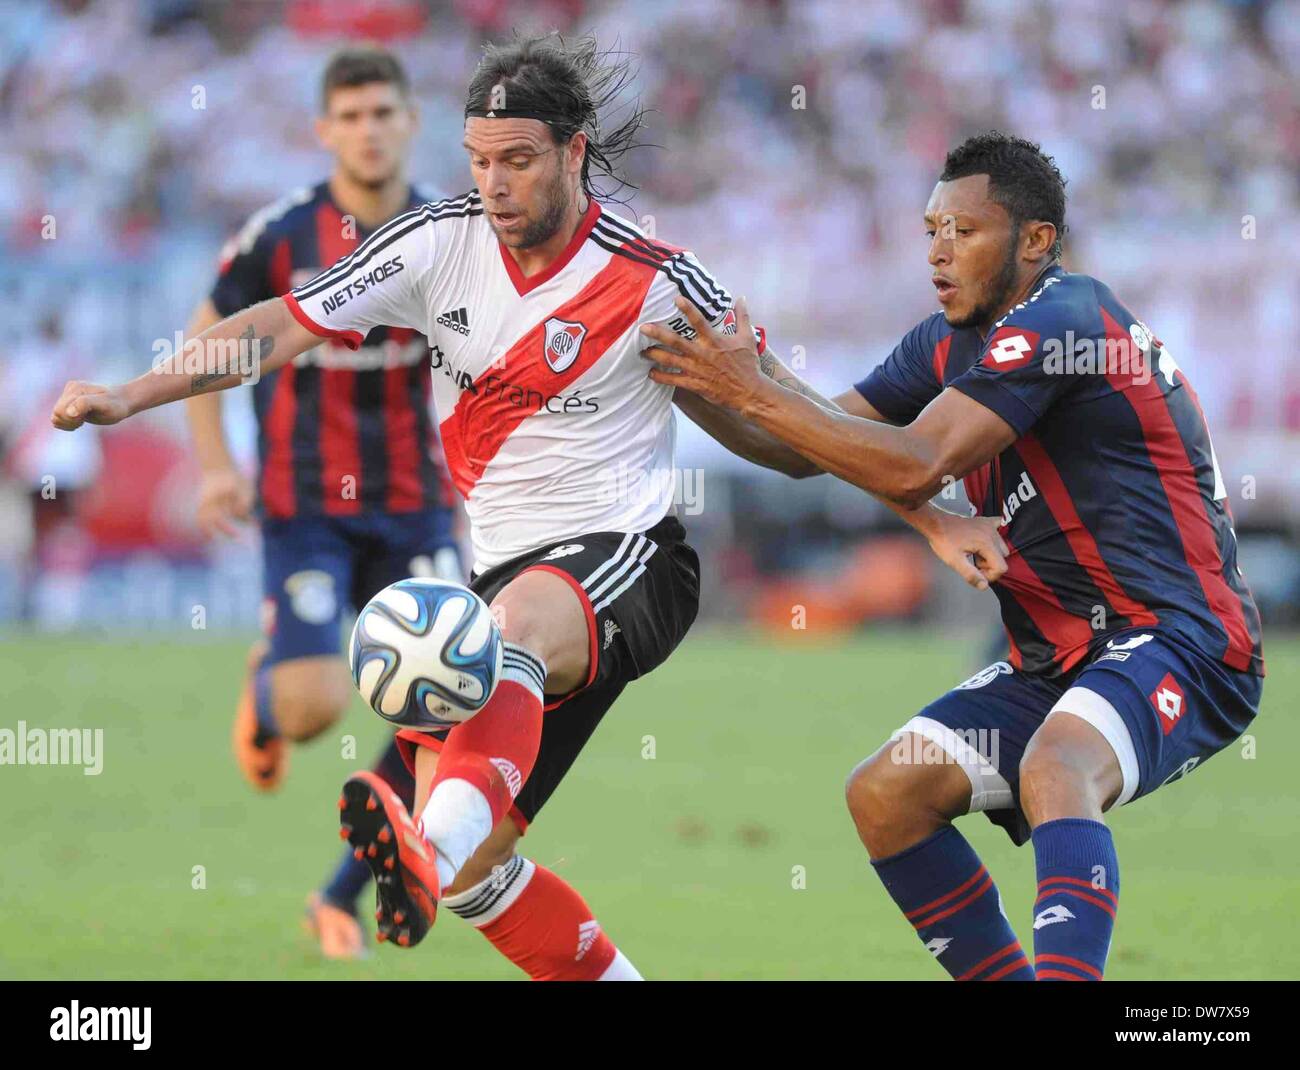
(773, 369)
(256, 348)
(250, 352)
(198, 382)
(264, 345)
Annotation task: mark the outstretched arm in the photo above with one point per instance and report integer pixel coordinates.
(971, 546)
(751, 442)
(241, 348)
(952, 437)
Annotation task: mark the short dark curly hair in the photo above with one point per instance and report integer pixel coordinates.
(1023, 179)
(362, 65)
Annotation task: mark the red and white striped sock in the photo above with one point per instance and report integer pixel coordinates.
(541, 924)
(484, 764)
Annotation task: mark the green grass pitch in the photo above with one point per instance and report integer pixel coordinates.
(689, 857)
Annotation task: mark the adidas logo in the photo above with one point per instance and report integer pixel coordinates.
(509, 773)
(611, 630)
(455, 320)
(587, 933)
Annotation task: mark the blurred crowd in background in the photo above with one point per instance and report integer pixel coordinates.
(797, 141)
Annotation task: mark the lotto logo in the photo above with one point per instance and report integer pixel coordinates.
(1053, 915)
(1010, 347)
(1123, 651)
(1183, 769)
(1169, 702)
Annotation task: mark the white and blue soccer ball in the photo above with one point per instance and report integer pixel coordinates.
(426, 653)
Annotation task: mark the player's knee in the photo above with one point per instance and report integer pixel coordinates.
(522, 623)
(878, 793)
(531, 613)
(541, 612)
(1054, 778)
(896, 802)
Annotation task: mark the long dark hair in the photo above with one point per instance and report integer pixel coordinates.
(569, 85)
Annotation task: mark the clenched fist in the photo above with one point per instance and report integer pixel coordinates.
(87, 403)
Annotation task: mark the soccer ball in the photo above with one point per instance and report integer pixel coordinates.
(426, 653)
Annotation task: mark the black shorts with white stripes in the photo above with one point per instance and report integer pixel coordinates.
(641, 592)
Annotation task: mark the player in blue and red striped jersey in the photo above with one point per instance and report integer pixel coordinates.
(351, 492)
(1134, 641)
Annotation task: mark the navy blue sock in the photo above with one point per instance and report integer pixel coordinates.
(944, 890)
(266, 726)
(351, 874)
(1078, 894)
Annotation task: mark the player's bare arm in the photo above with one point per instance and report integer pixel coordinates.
(970, 546)
(904, 465)
(267, 332)
(744, 439)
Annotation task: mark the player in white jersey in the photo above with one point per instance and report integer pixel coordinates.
(532, 296)
(548, 421)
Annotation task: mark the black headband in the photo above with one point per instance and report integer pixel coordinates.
(552, 117)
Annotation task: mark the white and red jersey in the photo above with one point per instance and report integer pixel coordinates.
(549, 421)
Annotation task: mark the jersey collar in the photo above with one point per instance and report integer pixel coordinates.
(526, 283)
(1054, 268)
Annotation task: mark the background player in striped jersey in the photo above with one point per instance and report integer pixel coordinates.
(531, 294)
(350, 493)
(1134, 641)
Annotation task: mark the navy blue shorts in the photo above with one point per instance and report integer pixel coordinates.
(316, 568)
(1163, 706)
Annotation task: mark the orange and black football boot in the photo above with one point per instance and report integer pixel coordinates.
(261, 758)
(375, 821)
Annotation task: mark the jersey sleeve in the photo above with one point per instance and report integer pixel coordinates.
(1021, 371)
(380, 284)
(685, 276)
(905, 382)
(244, 274)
